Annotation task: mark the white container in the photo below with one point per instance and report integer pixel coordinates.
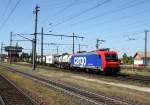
(60, 59)
(66, 58)
(49, 59)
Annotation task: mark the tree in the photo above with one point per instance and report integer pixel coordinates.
(127, 59)
(65, 53)
(24, 56)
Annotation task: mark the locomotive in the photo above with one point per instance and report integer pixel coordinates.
(101, 60)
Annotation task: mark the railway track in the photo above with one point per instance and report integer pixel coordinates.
(90, 97)
(2, 101)
(10, 94)
(131, 68)
(142, 79)
(122, 77)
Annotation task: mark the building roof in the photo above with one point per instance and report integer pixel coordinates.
(142, 54)
(13, 49)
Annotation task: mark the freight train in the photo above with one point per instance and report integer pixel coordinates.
(102, 60)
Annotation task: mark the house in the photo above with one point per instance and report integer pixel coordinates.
(139, 58)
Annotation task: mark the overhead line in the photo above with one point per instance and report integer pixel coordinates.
(62, 10)
(60, 44)
(5, 10)
(61, 35)
(83, 12)
(110, 12)
(54, 4)
(135, 33)
(65, 8)
(25, 37)
(10, 14)
(116, 19)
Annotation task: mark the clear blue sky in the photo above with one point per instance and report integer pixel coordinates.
(115, 21)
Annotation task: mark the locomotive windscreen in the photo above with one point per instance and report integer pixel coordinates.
(111, 57)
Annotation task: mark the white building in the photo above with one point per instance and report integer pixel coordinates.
(139, 58)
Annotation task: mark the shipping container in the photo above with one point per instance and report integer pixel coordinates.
(49, 59)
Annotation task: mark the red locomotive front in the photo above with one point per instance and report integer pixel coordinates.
(110, 61)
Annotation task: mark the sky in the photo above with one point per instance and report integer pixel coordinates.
(121, 23)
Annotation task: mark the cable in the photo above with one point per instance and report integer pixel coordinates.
(54, 4)
(5, 10)
(10, 14)
(135, 33)
(65, 8)
(118, 19)
(62, 10)
(83, 12)
(111, 12)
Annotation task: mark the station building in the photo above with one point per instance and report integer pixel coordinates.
(13, 52)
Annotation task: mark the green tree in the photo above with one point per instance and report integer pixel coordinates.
(131, 60)
(24, 56)
(127, 59)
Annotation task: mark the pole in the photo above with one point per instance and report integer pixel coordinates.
(42, 46)
(70, 36)
(35, 36)
(73, 43)
(2, 51)
(97, 43)
(79, 48)
(10, 38)
(16, 51)
(1, 48)
(145, 49)
(97, 40)
(57, 50)
(10, 52)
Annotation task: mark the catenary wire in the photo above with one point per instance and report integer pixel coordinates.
(10, 14)
(110, 12)
(83, 12)
(5, 10)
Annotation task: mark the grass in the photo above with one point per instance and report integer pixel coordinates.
(135, 72)
(124, 93)
(56, 73)
(45, 95)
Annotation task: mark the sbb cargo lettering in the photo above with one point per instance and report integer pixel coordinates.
(80, 61)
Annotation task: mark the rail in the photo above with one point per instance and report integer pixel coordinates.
(97, 99)
(1, 101)
(14, 91)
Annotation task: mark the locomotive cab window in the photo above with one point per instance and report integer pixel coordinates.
(111, 57)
